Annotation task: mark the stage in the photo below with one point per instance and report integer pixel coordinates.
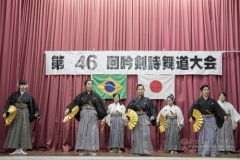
(73, 155)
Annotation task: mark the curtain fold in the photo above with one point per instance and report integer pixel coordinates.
(28, 28)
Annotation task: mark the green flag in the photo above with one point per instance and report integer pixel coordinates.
(106, 85)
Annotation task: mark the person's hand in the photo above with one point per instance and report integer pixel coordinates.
(125, 119)
(67, 111)
(152, 118)
(180, 126)
(4, 115)
(103, 121)
(190, 120)
(37, 115)
(225, 118)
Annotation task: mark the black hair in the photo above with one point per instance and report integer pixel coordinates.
(172, 98)
(224, 93)
(139, 86)
(203, 86)
(117, 94)
(22, 82)
(85, 83)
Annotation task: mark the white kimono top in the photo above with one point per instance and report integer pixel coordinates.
(172, 111)
(115, 109)
(229, 109)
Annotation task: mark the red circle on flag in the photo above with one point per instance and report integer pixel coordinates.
(155, 86)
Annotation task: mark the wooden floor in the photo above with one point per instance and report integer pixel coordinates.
(42, 155)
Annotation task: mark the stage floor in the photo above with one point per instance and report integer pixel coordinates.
(74, 155)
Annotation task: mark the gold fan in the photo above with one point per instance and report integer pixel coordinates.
(70, 115)
(133, 118)
(198, 120)
(163, 122)
(12, 110)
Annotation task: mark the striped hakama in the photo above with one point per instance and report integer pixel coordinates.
(172, 134)
(19, 134)
(116, 132)
(88, 132)
(141, 142)
(225, 139)
(207, 142)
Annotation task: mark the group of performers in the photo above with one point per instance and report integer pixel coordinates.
(216, 134)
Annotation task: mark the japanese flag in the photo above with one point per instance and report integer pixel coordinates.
(157, 86)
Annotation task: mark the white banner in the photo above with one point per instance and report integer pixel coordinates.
(133, 62)
(157, 86)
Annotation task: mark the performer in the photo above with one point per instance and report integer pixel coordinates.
(19, 133)
(213, 117)
(91, 109)
(225, 137)
(140, 135)
(175, 122)
(116, 123)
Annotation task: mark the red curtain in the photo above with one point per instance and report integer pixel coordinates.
(28, 28)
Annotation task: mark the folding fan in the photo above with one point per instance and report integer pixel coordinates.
(70, 115)
(198, 120)
(163, 122)
(133, 118)
(12, 110)
(103, 125)
(105, 120)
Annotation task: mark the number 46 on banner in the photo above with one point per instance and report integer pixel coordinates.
(90, 62)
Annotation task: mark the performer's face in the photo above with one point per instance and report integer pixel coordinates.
(22, 87)
(170, 101)
(140, 90)
(205, 92)
(89, 86)
(116, 99)
(222, 98)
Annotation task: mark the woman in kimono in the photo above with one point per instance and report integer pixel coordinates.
(19, 133)
(213, 118)
(225, 137)
(91, 109)
(116, 123)
(175, 122)
(146, 111)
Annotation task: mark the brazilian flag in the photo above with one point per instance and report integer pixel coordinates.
(106, 85)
